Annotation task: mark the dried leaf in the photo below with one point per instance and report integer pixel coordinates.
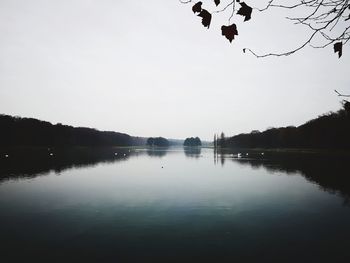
(229, 32)
(206, 18)
(338, 47)
(197, 8)
(245, 11)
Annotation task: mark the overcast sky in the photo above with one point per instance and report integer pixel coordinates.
(149, 68)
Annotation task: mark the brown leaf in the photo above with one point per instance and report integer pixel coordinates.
(206, 18)
(229, 32)
(338, 47)
(197, 8)
(245, 11)
(217, 2)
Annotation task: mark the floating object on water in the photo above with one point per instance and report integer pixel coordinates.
(51, 154)
(162, 167)
(246, 154)
(6, 156)
(115, 154)
(262, 153)
(238, 155)
(124, 154)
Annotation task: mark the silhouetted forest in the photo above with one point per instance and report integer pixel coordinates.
(16, 131)
(158, 141)
(192, 142)
(329, 131)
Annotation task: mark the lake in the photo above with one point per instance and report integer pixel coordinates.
(173, 205)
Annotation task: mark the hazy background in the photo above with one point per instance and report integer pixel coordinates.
(150, 68)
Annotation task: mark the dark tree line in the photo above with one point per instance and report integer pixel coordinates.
(219, 141)
(16, 131)
(192, 142)
(329, 131)
(158, 141)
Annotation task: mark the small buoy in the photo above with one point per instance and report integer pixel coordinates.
(124, 154)
(115, 154)
(6, 156)
(162, 167)
(262, 153)
(246, 154)
(51, 154)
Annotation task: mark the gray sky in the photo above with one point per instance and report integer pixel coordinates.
(150, 68)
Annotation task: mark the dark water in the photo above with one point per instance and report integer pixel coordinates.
(173, 205)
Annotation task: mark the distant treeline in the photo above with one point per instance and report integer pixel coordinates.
(192, 142)
(16, 131)
(329, 131)
(158, 141)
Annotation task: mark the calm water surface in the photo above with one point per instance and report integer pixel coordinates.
(174, 206)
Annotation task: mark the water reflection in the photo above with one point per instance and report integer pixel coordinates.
(240, 210)
(193, 152)
(32, 162)
(157, 151)
(329, 171)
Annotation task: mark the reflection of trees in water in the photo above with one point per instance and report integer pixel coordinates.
(219, 156)
(330, 172)
(157, 152)
(193, 152)
(32, 162)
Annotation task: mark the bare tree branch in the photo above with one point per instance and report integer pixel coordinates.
(328, 20)
(341, 95)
